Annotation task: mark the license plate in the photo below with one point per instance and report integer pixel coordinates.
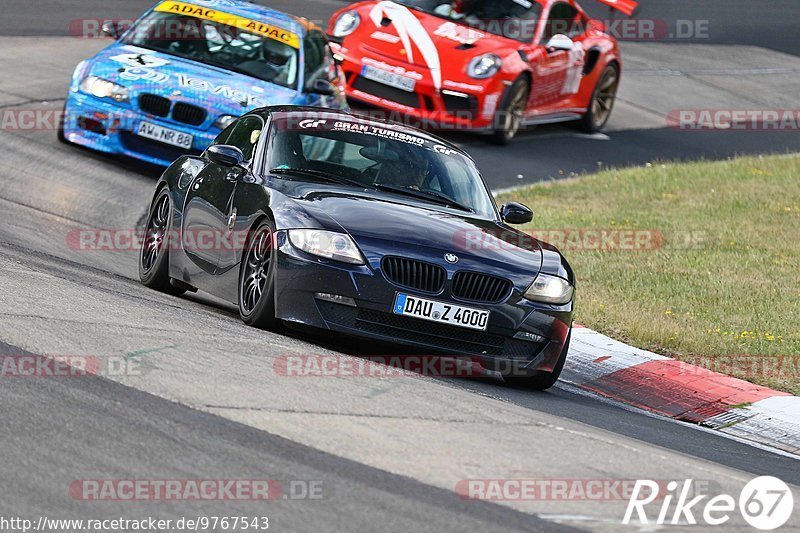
(444, 313)
(165, 135)
(391, 79)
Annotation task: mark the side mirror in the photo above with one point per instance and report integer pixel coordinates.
(225, 155)
(321, 87)
(559, 42)
(111, 29)
(514, 213)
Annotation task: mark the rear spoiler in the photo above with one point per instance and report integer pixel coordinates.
(629, 7)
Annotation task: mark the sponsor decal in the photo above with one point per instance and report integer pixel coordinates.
(310, 123)
(385, 37)
(412, 33)
(378, 132)
(140, 60)
(458, 33)
(243, 23)
(226, 91)
(143, 73)
(469, 87)
(490, 105)
(444, 150)
(575, 66)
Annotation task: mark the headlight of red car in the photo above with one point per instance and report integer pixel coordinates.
(485, 66)
(346, 24)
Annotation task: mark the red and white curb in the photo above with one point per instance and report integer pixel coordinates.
(682, 391)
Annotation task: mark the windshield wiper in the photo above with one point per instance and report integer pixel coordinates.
(318, 174)
(431, 196)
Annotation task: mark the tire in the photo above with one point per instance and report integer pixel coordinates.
(257, 279)
(602, 102)
(543, 380)
(154, 255)
(508, 119)
(62, 138)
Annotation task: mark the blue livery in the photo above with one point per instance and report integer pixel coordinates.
(174, 80)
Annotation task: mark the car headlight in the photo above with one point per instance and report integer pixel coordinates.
(346, 24)
(224, 121)
(550, 289)
(485, 66)
(327, 244)
(104, 89)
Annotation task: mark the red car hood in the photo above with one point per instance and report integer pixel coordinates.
(402, 34)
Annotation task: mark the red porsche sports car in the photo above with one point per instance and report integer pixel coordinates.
(485, 65)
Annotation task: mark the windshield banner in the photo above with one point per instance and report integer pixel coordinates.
(253, 26)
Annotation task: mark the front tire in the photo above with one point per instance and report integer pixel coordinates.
(62, 138)
(257, 279)
(602, 102)
(543, 380)
(154, 255)
(508, 119)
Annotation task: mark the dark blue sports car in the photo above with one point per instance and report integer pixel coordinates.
(344, 223)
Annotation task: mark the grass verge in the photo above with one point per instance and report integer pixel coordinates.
(704, 265)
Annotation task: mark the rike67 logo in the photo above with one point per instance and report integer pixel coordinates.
(765, 503)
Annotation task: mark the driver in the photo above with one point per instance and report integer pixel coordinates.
(403, 168)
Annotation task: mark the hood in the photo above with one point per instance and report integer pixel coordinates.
(219, 90)
(402, 34)
(382, 226)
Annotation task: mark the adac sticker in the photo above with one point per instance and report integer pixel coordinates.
(221, 17)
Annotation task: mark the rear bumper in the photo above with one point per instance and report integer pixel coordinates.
(301, 277)
(104, 126)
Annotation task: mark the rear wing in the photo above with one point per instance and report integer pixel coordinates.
(629, 7)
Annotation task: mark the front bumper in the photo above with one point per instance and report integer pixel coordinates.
(300, 277)
(105, 126)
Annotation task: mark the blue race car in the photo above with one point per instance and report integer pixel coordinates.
(185, 70)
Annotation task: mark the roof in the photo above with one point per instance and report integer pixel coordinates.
(257, 12)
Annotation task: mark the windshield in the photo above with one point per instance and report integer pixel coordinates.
(218, 44)
(375, 157)
(514, 19)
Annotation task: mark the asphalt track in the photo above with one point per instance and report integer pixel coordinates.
(388, 453)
